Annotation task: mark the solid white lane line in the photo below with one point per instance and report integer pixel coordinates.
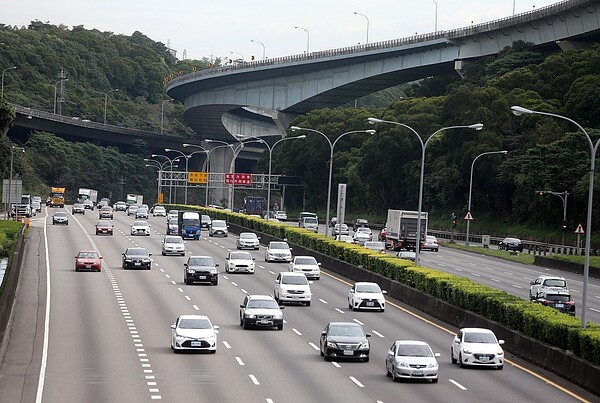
(458, 385)
(339, 310)
(239, 361)
(254, 380)
(360, 385)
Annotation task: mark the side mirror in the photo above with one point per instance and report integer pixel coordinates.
(100, 257)
(368, 335)
(215, 327)
(437, 355)
(319, 264)
(500, 341)
(216, 264)
(149, 254)
(173, 327)
(532, 283)
(323, 333)
(383, 291)
(227, 258)
(241, 306)
(281, 307)
(253, 258)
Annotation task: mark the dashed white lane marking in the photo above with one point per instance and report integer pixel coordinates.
(261, 266)
(489, 268)
(297, 332)
(325, 302)
(313, 345)
(239, 361)
(528, 278)
(339, 310)
(254, 380)
(458, 385)
(173, 282)
(196, 307)
(476, 275)
(335, 364)
(269, 400)
(227, 345)
(509, 273)
(179, 289)
(360, 385)
(376, 333)
(167, 276)
(593, 309)
(516, 286)
(188, 298)
(441, 265)
(225, 277)
(244, 291)
(596, 296)
(496, 280)
(234, 283)
(272, 272)
(358, 321)
(457, 269)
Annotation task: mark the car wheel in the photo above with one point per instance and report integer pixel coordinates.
(326, 357)
(349, 305)
(434, 380)
(308, 303)
(452, 356)
(98, 270)
(531, 296)
(499, 367)
(241, 321)
(460, 361)
(387, 371)
(394, 378)
(213, 351)
(245, 325)
(164, 254)
(237, 247)
(215, 282)
(366, 359)
(280, 326)
(188, 281)
(437, 250)
(76, 269)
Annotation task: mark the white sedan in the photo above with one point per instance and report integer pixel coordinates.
(194, 332)
(307, 265)
(411, 359)
(173, 244)
(140, 228)
(239, 262)
(477, 347)
(365, 295)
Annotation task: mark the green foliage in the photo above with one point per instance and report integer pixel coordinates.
(9, 231)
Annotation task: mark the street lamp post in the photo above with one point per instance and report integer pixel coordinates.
(518, 111)
(224, 144)
(55, 84)
(237, 53)
(471, 186)
(161, 168)
(187, 158)
(563, 196)
(106, 100)
(270, 148)
(170, 161)
(331, 148)
(307, 38)
(263, 46)
(207, 163)
(476, 126)
(436, 14)
(162, 113)
(4, 71)
(367, 18)
(12, 152)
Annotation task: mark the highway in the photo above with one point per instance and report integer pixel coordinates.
(109, 334)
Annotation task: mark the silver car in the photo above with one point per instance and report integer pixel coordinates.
(411, 359)
(173, 245)
(247, 240)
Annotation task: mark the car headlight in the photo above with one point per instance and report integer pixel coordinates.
(403, 364)
(357, 298)
(500, 353)
(364, 344)
(191, 271)
(467, 351)
(128, 259)
(250, 316)
(147, 260)
(284, 291)
(214, 271)
(278, 316)
(432, 365)
(331, 344)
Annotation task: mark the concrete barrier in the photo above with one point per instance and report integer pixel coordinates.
(565, 266)
(11, 279)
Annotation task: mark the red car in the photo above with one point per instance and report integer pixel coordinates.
(104, 227)
(88, 260)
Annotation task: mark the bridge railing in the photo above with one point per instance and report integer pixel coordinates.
(389, 44)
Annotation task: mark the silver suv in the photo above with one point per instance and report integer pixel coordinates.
(545, 283)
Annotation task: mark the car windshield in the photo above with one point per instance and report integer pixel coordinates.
(414, 350)
(140, 224)
(106, 208)
(60, 214)
(201, 261)
(310, 220)
(478, 337)
(173, 212)
(76, 205)
(296, 280)
(555, 283)
(219, 224)
(173, 221)
(159, 208)
(194, 324)
(88, 255)
(137, 252)
(205, 218)
(262, 304)
(278, 245)
(363, 229)
(103, 224)
(306, 260)
(173, 239)
(240, 256)
(367, 288)
(342, 330)
(247, 235)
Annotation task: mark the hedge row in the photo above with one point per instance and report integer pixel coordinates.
(543, 323)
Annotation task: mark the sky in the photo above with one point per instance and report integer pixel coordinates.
(227, 28)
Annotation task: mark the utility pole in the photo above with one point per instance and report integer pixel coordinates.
(121, 182)
(62, 77)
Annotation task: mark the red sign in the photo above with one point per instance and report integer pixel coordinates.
(240, 179)
(579, 230)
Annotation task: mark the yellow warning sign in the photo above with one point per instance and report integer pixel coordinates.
(197, 177)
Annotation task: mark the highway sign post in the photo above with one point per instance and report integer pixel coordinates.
(579, 231)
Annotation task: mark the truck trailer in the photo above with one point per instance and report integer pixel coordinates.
(401, 229)
(85, 194)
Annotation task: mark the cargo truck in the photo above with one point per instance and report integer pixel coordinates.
(401, 229)
(57, 197)
(189, 224)
(134, 199)
(85, 194)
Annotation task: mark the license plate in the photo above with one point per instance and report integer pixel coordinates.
(196, 344)
(263, 322)
(418, 373)
(348, 352)
(560, 305)
(201, 277)
(137, 264)
(88, 266)
(370, 304)
(484, 359)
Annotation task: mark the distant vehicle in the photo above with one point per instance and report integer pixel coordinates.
(140, 228)
(172, 214)
(292, 287)
(253, 204)
(360, 222)
(362, 235)
(375, 246)
(407, 255)
(141, 213)
(173, 245)
(120, 206)
(88, 260)
(104, 227)
(247, 240)
(546, 283)
(401, 229)
(218, 228)
(132, 209)
(307, 265)
(159, 211)
(333, 221)
(344, 340)
(105, 212)
(281, 216)
(477, 347)
(36, 206)
(278, 251)
(310, 224)
(189, 224)
(88, 205)
(136, 258)
(172, 227)
(431, 243)
(60, 217)
(260, 311)
(511, 244)
(193, 332)
(201, 269)
(340, 229)
(412, 359)
(78, 209)
(87, 194)
(205, 221)
(558, 299)
(366, 295)
(57, 197)
(345, 238)
(382, 235)
(239, 262)
(305, 214)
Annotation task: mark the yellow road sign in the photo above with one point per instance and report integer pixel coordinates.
(197, 177)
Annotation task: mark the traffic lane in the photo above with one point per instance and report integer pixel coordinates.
(90, 346)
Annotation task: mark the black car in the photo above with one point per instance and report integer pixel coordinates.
(201, 269)
(360, 222)
(136, 258)
(344, 340)
(557, 299)
(511, 244)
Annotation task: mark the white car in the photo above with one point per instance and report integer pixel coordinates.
(362, 235)
(159, 211)
(194, 332)
(307, 265)
(365, 295)
(131, 210)
(345, 238)
(205, 221)
(431, 243)
(247, 240)
(546, 283)
(239, 262)
(278, 251)
(141, 213)
(375, 246)
(281, 216)
(140, 228)
(411, 359)
(218, 228)
(477, 347)
(310, 224)
(340, 229)
(173, 244)
(172, 214)
(292, 287)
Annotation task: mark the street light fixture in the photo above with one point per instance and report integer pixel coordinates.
(307, 38)
(367, 18)
(471, 187)
(162, 113)
(12, 151)
(518, 111)
(331, 148)
(564, 197)
(237, 53)
(161, 167)
(263, 46)
(4, 71)
(208, 152)
(476, 126)
(187, 158)
(170, 161)
(270, 148)
(436, 14)
(106, 101)
(55, 84)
